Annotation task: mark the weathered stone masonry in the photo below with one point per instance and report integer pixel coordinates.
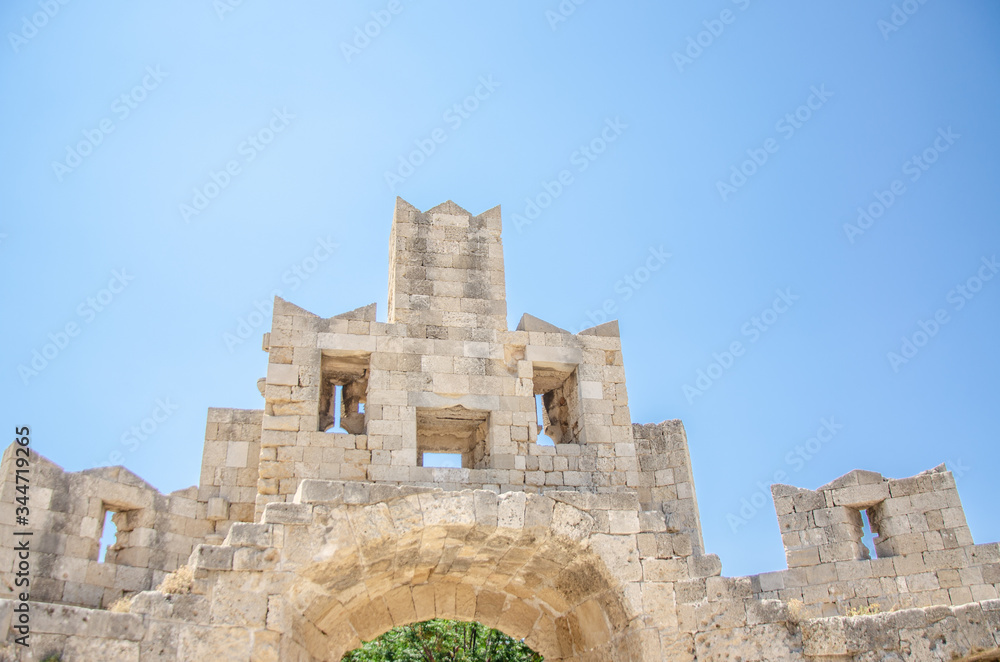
(317, 525)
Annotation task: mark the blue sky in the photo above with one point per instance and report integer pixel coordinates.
(727, 144)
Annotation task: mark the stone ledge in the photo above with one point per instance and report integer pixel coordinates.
(211, 557)
(966, 632)
(335, 492)
(287, 513)
(79, 621)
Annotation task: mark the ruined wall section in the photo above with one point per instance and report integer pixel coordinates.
(667, 482)
(409, 378)
(925, 552)
(230, 468)
(294, 444)
(607, 582)
(156, 532)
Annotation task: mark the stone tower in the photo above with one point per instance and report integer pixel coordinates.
(446, 273)
(321, 519)
(444, 375)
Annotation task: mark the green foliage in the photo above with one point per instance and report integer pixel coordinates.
(441, 640)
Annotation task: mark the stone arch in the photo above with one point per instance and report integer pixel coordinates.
(523, 564)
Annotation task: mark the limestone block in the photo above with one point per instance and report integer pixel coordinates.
(238, 454)
(100, 648)
(708, 565)
(623, 521)
(242, 534)
(805, 500)
(571, 522)
(282, 374)
(800, 558)
(621, 556)
(346, 343)
(219, 415)
(288, 423)
(265, 646)
(559, 358)
(821, 574)
(212, 557)
(664, 570)
(861, 496)
(707, 616)
(510, 510)
(423, 602)
(70, 569)
(208, 643)
(767, 611)
(217, 509)
(538, 512)
(772, 581)
(591, 390)
(83, 594)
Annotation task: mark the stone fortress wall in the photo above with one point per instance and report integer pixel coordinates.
(316, 525)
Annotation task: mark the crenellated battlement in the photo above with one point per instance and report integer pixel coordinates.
(440, 465)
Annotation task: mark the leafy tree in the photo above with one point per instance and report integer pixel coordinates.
(442, 640)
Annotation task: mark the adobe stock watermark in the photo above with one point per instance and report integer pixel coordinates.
(562, 12)
(363, 35)
(958, 468)
(899, 17)
(580, 160)
(122, 107)
(87, 312)
(714, 27)
(30, 25)
(787, 126)
(796, 460)
(223, 7)
(914, 167)
(131, 439)
(753, 329)
(249, 149)
(454, 117)
(958, 297)
(293, 277)
(626, 287)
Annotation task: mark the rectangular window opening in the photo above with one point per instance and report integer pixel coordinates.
(336, 397)
(109, 535)
(442, 460)
(560, 415)
(543, 424)
(343, 392)
(455, 435)
(868, 536)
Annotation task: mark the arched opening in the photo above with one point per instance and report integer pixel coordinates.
(443, 640)
(521, 564)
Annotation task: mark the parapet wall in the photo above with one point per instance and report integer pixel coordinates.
(580, 379)
(666, 481)
(925, 552)
(156, 532)
(229, 468)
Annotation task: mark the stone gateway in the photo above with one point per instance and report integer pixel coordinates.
(324, 519)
